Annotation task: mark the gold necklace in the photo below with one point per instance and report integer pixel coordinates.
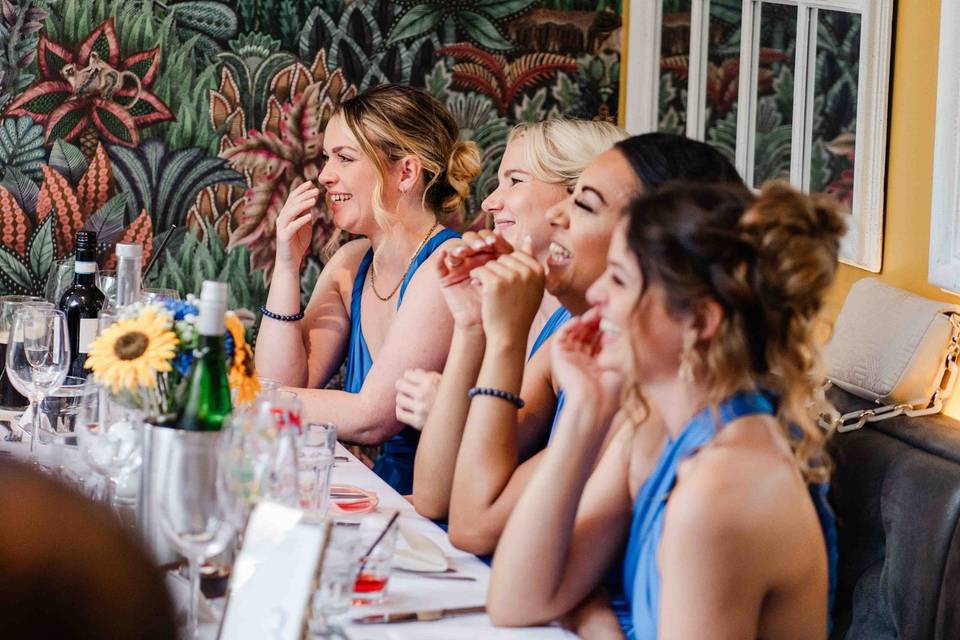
(373, 267)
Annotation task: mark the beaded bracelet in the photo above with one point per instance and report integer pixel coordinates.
(512, 398)
(279, 316)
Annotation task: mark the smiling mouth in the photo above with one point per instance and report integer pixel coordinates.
(499, 223)
(559, 255)
(339, 197)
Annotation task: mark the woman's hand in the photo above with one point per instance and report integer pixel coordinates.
(295, 224)
(457, 259)
(511, 289)
(574, 364)
(416, 392)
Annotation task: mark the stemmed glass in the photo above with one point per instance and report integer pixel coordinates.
(38, 356)
(109, 440)
(193, 515)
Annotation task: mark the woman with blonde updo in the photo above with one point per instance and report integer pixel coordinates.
(539, 169)
(394, 170)
(704, 318)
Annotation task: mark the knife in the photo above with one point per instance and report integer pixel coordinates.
(428, 615)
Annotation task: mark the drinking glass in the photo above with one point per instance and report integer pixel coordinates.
(286, 407)
(247, 443)
(10, 398)
(157, 294)
(109, 437)
(341, 560)
(376, 565)
(60, 408)
(192, 513)
(59, 279)
(38, 355)
(107, 283)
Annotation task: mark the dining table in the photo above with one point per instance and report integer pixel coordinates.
(406, 591)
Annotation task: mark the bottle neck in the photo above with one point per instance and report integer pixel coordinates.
(128, 281)
(210, 324)
(85, 272)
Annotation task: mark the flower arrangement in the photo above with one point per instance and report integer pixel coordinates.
(142, 357)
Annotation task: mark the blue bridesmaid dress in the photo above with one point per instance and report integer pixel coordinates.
(640, 574)
(395, 464)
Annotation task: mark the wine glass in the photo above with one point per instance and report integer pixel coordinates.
(10, 398)
(109, 437)
(37, 357)
(193, 515)
(59, 279)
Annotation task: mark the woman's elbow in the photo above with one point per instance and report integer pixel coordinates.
(473, 539)
(428, 506)
(507, 610)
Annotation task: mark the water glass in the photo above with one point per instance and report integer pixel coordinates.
(60, 408)
(59, 279)
(334, 593)
(286, 408)
(37, 357)
(314, 464)
(107, 283)
(10, 398)
(108, 436)
(192, 514)
(375, 568)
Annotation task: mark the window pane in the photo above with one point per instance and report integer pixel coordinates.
(723, 75)
(835, 104)
(674, 64)
(778, 41)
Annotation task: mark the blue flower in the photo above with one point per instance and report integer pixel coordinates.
(229, 347)
(183, 361)
(181, 308)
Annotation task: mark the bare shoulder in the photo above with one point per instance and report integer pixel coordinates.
(745, 476)
(349, 255)
(426, 276)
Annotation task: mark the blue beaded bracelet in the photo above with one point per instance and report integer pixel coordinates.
(279, 316)
(512, 398)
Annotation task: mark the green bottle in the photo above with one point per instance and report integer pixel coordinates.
(206, 394)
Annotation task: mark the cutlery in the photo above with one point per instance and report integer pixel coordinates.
(442, 575)
(427, 615)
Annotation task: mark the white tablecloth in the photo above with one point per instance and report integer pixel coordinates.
(406, 592)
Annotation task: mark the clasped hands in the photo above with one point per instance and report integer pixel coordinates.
(488, 283)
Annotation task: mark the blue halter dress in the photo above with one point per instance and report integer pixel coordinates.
(395, 464)
(640, 574)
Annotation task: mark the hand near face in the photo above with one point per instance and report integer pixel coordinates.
(294, 225)
(575, 366)
(457, 259)
(416, 393)
(511, 288)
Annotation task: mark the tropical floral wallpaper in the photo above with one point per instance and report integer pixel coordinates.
(184, 124)
(835, 88)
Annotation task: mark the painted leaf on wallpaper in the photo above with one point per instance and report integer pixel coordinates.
(212, 19)
(166, 183)
(20, 24)
(15, 276)
(24, 190)
(500, 80)
(68, 160)
(140, 232)
(56, 194)
(21, 146)
(416, 22)
(481, 22)
(42, 248)
(278, 159)
(93, 188)
(93, 88)
(107, 222)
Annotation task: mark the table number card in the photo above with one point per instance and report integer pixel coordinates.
(273, 576)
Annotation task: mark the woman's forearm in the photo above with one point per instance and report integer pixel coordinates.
(283, 355)
(488, 454)
(360, 418)
(526, 587)
(443, 431)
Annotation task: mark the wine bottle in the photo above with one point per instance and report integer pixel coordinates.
(206, 392)
(82, 302)
(129, 259)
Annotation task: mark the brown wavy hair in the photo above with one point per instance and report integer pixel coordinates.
(391, 121)
(768, 261)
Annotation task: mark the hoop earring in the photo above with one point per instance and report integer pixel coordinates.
(688, 357)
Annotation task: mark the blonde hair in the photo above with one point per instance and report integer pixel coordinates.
(559, 149)
(392, 121)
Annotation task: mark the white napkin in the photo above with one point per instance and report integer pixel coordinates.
(419, 554)
(179, 590)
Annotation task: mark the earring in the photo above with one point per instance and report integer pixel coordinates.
(688, 357)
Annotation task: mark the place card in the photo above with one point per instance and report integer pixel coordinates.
(273, 577)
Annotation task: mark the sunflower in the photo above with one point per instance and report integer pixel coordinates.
(131, 352)
(243, 375)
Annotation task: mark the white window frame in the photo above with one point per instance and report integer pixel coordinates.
(863, 244)
(944, 265)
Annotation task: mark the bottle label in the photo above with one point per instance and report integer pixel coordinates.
(88, 331)
(85, 267)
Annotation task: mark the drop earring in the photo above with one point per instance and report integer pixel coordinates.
(688, 357)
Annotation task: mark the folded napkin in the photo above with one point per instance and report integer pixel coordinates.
(419, 553)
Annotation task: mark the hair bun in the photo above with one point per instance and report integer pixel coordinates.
(463, 166)
(798, 242)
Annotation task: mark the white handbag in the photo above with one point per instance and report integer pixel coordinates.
(894, 348)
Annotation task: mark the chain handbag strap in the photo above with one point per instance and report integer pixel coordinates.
(945, 380)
